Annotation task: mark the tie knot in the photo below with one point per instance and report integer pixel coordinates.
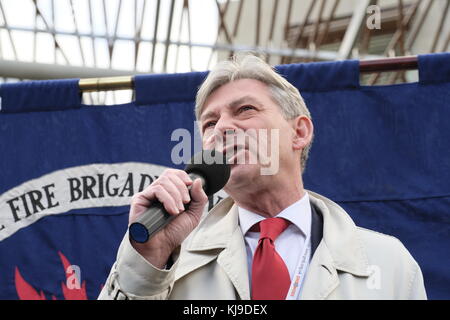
(272, 227)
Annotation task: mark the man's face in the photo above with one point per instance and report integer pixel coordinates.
(245, 106)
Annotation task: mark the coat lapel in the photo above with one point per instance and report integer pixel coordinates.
(321, 270)
(340, 249)
(316, 228)
(321, 278)
(233, 260)
(218, 236)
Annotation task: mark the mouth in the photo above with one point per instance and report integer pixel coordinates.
(231, 153)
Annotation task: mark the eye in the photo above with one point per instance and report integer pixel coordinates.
(209, 124)
(246, 108)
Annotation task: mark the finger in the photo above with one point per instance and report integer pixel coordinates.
(173, 190)
(165, 198)
(180, 174)
(197, 192)
(181, 186)
(138, 205)
(140, 200)
(165, 180)
(162, 180)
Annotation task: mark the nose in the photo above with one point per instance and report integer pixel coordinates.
(224, 127)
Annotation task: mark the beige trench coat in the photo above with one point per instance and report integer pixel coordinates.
(349, 263)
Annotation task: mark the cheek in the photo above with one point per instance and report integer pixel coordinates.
(208, 139)
(284, 141)
(280, 133)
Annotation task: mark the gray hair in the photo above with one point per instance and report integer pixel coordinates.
(249, 66)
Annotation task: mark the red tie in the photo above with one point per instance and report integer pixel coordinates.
(270, 276)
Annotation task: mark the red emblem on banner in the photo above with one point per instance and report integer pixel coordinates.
(25, 291)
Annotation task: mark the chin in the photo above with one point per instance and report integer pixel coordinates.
(242, 175)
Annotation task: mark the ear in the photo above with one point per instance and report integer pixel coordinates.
(302, 132)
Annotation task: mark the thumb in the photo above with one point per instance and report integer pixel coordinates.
(197, 193)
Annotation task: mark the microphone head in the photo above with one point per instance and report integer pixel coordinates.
(212, 166)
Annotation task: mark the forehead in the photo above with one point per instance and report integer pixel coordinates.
(242, 90)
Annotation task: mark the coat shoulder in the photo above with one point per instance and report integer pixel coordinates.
(386, 251)
(375, 241)
(398, 269)
(372, 235)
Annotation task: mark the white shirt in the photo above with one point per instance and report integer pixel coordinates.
(290, 243)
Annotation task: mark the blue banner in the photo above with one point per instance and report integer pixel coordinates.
(68, 170)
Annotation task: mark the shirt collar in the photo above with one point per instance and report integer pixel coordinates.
(298, 213)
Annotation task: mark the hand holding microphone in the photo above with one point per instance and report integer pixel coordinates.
(166, 212)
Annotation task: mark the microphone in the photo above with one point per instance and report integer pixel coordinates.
(212, 169)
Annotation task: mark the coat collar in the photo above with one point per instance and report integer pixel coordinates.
(340, 249)
(218, 236)
(217, 228)
(340, 238)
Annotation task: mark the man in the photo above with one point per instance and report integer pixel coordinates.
(271, 239)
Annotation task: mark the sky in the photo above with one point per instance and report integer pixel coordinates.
(21, 14)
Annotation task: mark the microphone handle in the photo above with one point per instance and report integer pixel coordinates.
(155, 217)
